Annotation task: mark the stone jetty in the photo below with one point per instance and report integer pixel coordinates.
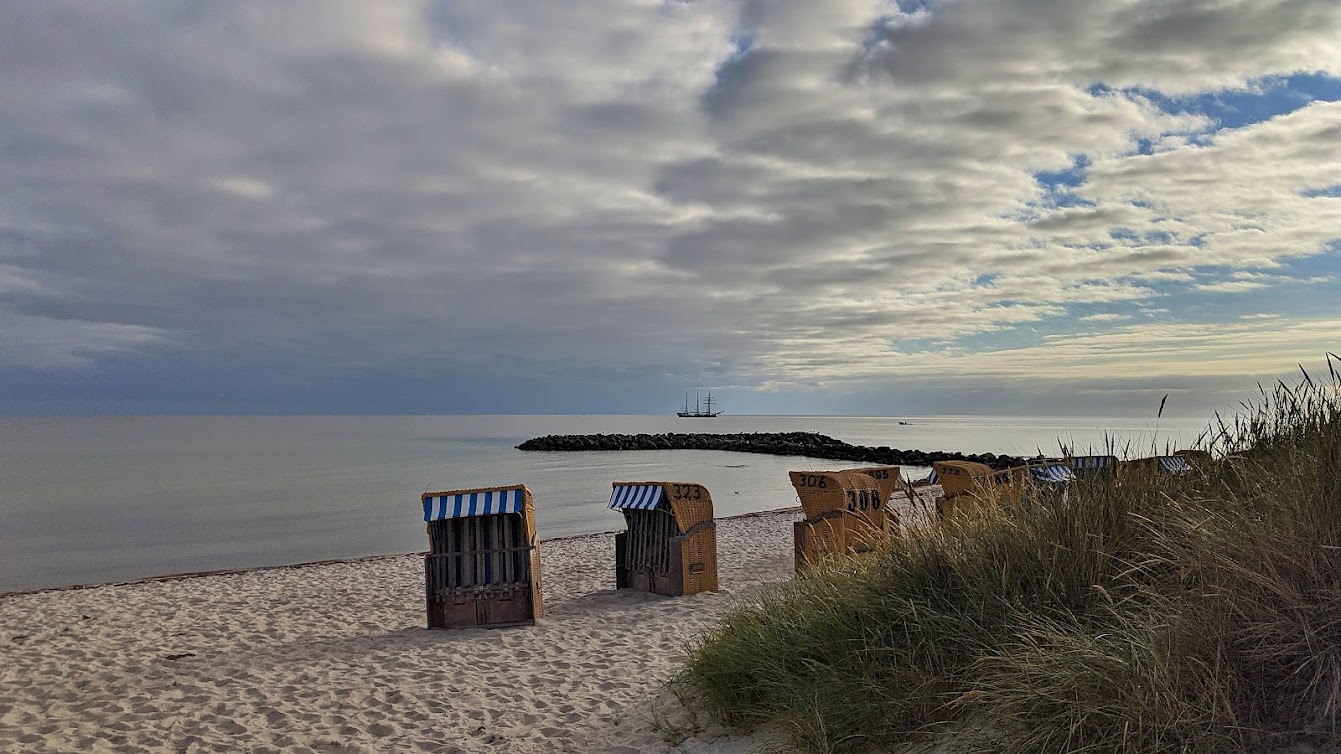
(809, 444)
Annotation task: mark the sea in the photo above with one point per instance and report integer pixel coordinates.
(96, 500)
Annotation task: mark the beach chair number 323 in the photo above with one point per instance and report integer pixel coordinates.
(688, 492)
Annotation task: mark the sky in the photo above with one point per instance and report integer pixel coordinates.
(852, 206)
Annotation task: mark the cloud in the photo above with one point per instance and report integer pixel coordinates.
(752, 193)
(1246, 347)
(44, 343)
(1239, 282)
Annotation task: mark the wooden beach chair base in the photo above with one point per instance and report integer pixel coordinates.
(833, 535)
(692, 566)
(481, 608)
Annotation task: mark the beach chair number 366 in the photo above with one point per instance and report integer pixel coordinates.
(863, 500)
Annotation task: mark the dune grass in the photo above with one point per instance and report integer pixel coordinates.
(1193, 614)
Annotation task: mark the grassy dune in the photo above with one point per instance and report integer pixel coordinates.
(1200, 614)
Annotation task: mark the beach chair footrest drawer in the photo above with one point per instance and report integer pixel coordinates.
(485, 606)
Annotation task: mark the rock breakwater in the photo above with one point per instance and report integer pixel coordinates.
(810, 444)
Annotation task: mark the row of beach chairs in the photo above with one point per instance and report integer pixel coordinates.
(966, 482)
(483, 563)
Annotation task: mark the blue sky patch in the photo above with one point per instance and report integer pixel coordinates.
(1264, 100)
(913, 6)
(1333, 191)
(1059, 185)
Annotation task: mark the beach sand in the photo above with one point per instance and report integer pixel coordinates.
(336, 658)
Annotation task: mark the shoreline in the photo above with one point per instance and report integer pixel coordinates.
(336, 659)
(185, 575)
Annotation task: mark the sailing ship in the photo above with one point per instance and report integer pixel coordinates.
(702, 408)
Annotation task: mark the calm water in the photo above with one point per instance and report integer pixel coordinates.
(88, 500)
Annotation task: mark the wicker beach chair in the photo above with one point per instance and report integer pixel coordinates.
(483, 563)
(846, 514)
(1156, 466)
(1051, 474)
(670, 545)
(1197, 459)
(968, 485)
(1090, 467)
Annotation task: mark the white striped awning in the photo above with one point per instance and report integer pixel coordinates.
(1053, 473)
(1175, 464)
(932, 478)
(636, 496)
(1091, 462)
(484, 503)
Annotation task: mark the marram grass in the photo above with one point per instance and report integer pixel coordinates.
(1200, 615)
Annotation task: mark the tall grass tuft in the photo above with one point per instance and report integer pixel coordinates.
(1194, 614)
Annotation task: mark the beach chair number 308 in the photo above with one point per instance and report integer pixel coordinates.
(863, 500)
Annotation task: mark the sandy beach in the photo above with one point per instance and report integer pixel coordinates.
(336, 658)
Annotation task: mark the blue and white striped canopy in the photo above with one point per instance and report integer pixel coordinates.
(1175, 464)
(1091, 462)
(1053, 473)
(932, 478)
(636, 496)
(464, 504)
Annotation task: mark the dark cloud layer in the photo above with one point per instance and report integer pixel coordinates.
(391, 197)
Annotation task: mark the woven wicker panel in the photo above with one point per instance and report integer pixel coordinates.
(1010, 484)
(537, 596)
(855, 493)
(891, 483)
(820, 540)
(960, 477)
(968, 485)
(468, 490)
(886, 476)
(1019, 473)
(1198, 458)
(528, 513)
(700, 561)
(824, 491)
(691, 502)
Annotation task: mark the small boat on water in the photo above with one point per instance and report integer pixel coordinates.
(702, 407)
